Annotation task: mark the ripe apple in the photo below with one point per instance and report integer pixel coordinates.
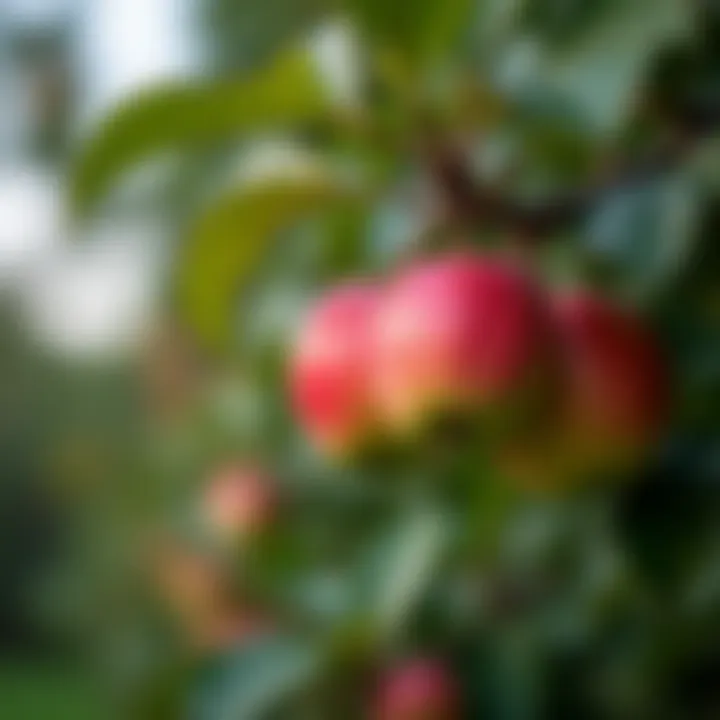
(419, 689)
(329, 379)
(615, 399)
(240, 501)
(460, 334)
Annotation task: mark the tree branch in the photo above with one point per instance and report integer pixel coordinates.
(468, 201)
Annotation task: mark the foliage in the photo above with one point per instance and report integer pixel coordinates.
(538, 125)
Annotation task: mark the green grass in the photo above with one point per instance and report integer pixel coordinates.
(29, 692)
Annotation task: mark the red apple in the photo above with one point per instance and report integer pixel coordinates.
(460, 333)
(618, 383)
(329, 371)
(419, 689)
(615, 400)
(240, 501)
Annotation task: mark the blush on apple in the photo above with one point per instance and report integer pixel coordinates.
(457, 335)
(418, 689)
(329, 378)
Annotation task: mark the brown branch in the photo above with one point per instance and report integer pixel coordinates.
(468, 201)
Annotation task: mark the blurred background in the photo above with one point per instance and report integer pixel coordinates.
(72, 319)
(110, 406)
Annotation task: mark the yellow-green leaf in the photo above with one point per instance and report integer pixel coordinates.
(287, 92)
(230, 238)
(602, 70)
(418, 31)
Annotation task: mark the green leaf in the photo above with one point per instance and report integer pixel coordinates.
(561, 20)
(181, 116)
(401, 569)
(242, 33)
(416, 32)
(666, 522)
(229, 240)
(642, 239)
(163, 694)
(496, 22)
(258, 678)
(602, 70)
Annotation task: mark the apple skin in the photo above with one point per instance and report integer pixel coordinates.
(240, 502)
(329, 371)
(463, 335)
(418, 689)
(619, 398)
(615, 401)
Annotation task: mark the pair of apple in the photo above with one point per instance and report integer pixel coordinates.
(473, 336)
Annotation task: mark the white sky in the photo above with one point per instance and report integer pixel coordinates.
(29, 217)
(94, 299)
(124, 44)
(90, 298)
(33, 12)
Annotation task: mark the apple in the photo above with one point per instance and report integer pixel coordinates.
(615, 399)
(457, 335)
(618, 384)
(329, 380)
(240, 501)
(418, 689)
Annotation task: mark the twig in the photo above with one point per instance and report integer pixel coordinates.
(468, 201)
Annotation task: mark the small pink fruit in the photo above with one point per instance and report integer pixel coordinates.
(421, 689)
(240, 501)
(462, 332)
(329, 371)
